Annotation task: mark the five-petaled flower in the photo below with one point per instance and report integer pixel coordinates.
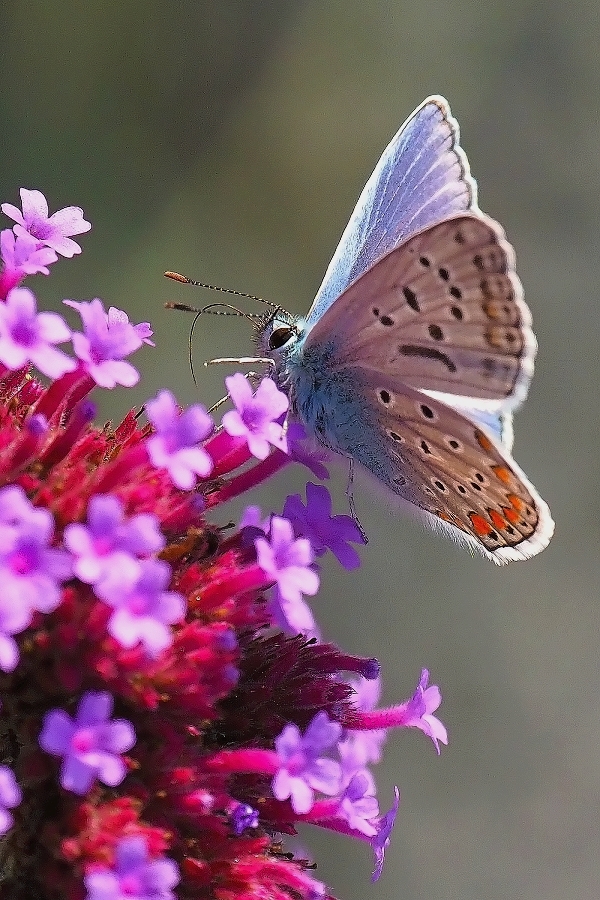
(108, 337)
(91, 744)
(303, 768)
(51, 231)
(325, 532)
(134, 875)
(143, 608)
(255, 417)
(176, 445)
(27, 336)
(108, 532)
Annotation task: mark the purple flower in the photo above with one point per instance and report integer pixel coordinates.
(107, 533)
(108, 338)
(324, 531)
(23, 256)
(243, 816)
(255, 415)
(134, 875)
(418, 711)
(143, 608)
(10, 796)
(175, 446)
(27, 336)
(303, 770)
(287, 561)
(358, 803)
(90, 744)
(30, 570)
(54, 230)
(381, 840)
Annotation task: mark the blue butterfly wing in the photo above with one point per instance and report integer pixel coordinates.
(422, 177)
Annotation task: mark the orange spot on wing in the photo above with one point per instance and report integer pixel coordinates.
(513, 517)
(480, 526)
(515, 501)
(503, 473)
(498, 520)
(483, 441)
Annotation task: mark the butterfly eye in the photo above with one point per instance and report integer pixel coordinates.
(279, 337)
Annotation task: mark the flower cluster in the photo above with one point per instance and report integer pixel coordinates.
(169, 711)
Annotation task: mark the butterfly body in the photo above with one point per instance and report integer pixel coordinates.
(419, 345)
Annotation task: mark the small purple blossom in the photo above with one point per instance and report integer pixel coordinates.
(90, 744)
(27, 336)
(10, 796)
(143, 609)
(380, 842)
(358, 803)
(133, 875)
(31, 570)
(324, 531)
(107, 339)
(255, 415)
(303, 770)
(108, 532)
(243, 816)
(54, 231)
(418, 711)
(22, 256)
(287, 560)
(176, 444)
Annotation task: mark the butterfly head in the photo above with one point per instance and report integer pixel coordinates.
(279, 336)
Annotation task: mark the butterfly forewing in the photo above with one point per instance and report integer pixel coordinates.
(421, 178)
(444, 311)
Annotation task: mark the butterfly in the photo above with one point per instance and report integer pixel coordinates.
(418, 346)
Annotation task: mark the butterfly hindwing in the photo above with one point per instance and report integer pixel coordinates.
(422, 177)
(444, 311)
(436, 458)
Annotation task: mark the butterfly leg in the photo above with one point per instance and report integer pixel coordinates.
(242, 360)
(350, 496)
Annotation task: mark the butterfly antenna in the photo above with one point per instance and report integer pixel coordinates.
(183, 279)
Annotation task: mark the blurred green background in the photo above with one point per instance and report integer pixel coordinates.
(230, 141)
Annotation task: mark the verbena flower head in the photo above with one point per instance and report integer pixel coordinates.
(170, 705)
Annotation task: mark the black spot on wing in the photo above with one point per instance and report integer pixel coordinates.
(428, 353)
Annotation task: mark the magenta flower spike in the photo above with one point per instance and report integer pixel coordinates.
(162, 672)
